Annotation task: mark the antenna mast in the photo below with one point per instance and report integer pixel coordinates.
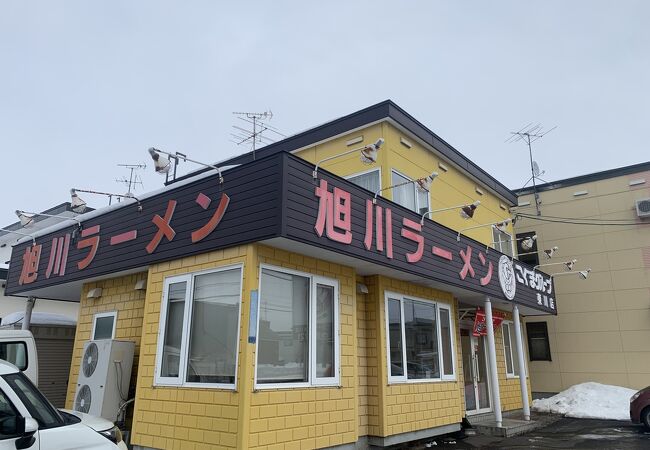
(134, 179)
(529, 134)
(259, 121)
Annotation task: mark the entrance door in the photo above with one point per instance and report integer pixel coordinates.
(475, 371)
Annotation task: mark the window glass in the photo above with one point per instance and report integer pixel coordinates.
(368, 180)
(395, 338)
(502, 241)
(104, 327)
(283, 348)
(508, 347)
(539, 348)
(422, 359)
(325, 328)
(15, 353)
(214, 328)
(173, 330)
(527, 255)
(8, 416)
(423, 200)
(37, 405)
(403, 195)
(446, 342)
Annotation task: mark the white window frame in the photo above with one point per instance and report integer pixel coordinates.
(365, 172)
(187, 321)
(404, 378)
(509, 324)
(313, 380)
(509, 240)
(452, 331)
(415, 189)
(112, 314)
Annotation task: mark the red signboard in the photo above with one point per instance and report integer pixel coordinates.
(480, 328)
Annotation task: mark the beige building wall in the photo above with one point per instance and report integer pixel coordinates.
(602, 329)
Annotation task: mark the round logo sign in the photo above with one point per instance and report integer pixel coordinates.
(507, 277)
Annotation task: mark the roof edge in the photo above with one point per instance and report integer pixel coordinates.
(587, 178)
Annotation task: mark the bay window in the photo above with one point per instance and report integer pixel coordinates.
(420, 339)
(198, 338)
(298, 337)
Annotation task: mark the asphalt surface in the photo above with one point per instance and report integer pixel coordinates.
(566, 433)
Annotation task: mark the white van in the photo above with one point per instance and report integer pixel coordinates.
(19, 348)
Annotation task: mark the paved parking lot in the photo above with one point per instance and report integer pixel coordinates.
(565, 433)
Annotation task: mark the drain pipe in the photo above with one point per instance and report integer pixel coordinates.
(492, 355)
(27, 318)
(522, 366)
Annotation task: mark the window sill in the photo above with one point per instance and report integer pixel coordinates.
(225, 387)
(283, 386)
(423, 380)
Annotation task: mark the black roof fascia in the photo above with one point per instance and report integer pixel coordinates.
(379, 111)
(588, 178)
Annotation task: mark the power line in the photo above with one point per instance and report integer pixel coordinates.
(577, 221)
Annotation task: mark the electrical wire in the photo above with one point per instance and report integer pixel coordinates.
(575, 221)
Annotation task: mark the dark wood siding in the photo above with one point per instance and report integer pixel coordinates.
(253, 214)
(301, 214)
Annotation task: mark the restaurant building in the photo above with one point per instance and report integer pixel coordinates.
(602, 328)
(303, 303)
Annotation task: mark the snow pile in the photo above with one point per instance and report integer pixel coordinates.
(589, 401)
(38, 318)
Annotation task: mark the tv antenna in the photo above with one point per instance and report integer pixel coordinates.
(529, 134)
(259, 121)
(134, 179)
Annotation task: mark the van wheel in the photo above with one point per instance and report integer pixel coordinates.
(645, 417)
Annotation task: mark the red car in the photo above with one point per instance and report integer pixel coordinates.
(640, 407)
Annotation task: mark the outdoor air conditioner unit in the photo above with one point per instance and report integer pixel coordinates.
(104, 377)
(643, 207)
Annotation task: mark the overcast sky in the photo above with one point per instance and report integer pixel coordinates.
(85, 86)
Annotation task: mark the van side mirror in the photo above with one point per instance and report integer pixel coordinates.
(26, 427)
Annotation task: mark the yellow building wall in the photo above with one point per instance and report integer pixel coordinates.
(179, 417)
(451, 188)
(310, 417)
(118, 294)
(407, 407)
(509, 387)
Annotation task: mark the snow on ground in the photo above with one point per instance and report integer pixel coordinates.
(589, 401)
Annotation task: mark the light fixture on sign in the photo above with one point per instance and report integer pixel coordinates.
(19, 233)
(466, 211)
(79, 205)
(528, 242)
(498, 225)
(26, 219)
(582, 274)
(163, 165)
(550, 252)
(368, 154)
(567, 264)
(32, 214)
(423, 184)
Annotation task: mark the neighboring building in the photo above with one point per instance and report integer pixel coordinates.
(602, 329)
(285, 308)
(11, 304)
